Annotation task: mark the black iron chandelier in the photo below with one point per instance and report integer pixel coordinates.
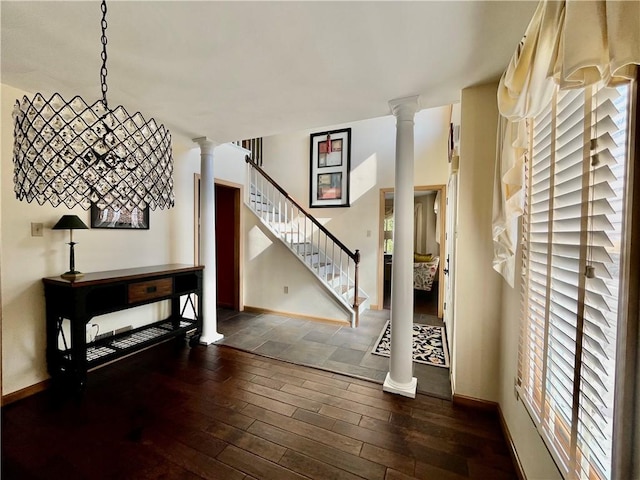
(72, 153)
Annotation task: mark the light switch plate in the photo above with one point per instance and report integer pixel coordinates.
(36, 229)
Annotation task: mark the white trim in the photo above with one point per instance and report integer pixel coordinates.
(404, 389)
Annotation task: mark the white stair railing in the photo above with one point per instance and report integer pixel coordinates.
(321, 252)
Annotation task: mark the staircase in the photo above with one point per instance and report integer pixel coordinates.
(326, 257)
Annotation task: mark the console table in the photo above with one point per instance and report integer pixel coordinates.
(98, 293)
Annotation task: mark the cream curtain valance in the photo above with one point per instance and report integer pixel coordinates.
(573, 44)
(568, 43)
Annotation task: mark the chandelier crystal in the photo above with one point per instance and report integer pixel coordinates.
(73, 153)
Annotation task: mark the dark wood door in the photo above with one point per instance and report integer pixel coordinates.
(228, 245)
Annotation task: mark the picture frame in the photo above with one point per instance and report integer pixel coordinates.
(123, 219)
(330, 169)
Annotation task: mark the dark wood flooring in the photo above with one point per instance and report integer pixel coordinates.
(177, 413)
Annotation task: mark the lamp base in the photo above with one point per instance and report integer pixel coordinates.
(72, 275)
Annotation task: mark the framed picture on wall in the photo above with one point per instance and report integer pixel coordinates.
(121, 218)
(330, 163)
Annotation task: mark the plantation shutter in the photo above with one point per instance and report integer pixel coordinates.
(571, 240)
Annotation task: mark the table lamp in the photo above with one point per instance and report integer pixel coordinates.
(71, 222)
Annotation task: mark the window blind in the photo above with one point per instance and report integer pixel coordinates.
(571, 240)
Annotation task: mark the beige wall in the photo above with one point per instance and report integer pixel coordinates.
(26, 259)
(478, 288)
(531, 450)
(430, 242)
(487, 309)
(286, 159)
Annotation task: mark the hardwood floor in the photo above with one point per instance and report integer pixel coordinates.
(219, 413)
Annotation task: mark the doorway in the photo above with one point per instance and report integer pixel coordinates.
(228, 244)
(429, 243)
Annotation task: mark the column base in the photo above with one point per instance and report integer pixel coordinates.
(212, 338)
(404, 389)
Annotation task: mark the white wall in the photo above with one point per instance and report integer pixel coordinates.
(487, 310)
(286, 159)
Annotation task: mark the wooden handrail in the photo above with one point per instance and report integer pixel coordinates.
(355, 256)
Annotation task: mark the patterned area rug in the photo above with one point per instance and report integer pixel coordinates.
(429, 344)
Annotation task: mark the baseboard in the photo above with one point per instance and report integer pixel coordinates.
(494, 407)
(511, 446)
(25, 392)
(248, 308)
(475, 403)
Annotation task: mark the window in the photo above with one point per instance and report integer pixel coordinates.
(388, 234)
(572, 235)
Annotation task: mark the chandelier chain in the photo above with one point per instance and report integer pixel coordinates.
(75, 153)
(103, 55)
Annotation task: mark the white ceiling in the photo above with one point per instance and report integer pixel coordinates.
(233, 70)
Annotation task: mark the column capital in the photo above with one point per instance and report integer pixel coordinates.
(206, 145)
(405, 108)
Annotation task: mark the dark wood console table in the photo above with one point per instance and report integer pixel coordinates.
(105, 292)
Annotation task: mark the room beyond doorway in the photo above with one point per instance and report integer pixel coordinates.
(429, 248)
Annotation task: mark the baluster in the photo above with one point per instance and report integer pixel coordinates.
(356, 302)
(270, 205)
(311, 246)
(255, 188)
(316, 245)
(325, 257)
(321, 235)
(279, 218)
(261, 197)
(348, 285)
(291, 222)
(333, 256)
(265, 200)
(286, 224)
(314, 248)
(299, 226)
(340, 270)
(247, 175)
(273, 205)
(304, 239)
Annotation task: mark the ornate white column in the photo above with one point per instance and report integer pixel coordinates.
(208, 242)
(400, 379)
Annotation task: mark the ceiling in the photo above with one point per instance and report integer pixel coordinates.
(233, 70)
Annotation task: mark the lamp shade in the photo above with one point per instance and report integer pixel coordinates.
(69, 222)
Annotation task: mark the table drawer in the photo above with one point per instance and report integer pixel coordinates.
(141, 291)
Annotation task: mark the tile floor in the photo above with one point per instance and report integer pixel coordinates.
(331, 347)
